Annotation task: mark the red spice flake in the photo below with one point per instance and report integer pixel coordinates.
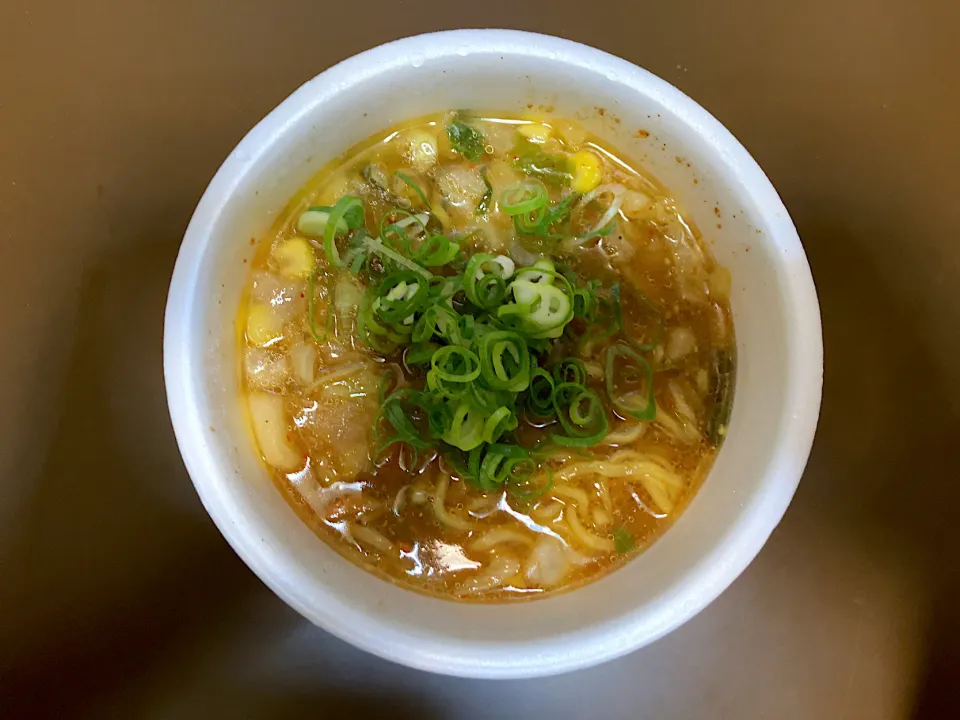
(244, 260)
(696, 182)
(602, 111)
(253, 241)
(302, 295)
(716, 211)
(643, 133)
(405, 546)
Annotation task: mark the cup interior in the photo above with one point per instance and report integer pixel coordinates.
(776, 321)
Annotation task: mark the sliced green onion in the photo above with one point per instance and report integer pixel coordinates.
(602, 231)
(611, 322)
(530, 223)
(498, 423)
(439, 418)
(466, 427)
(646, 412)
(570, 370)
(468, 329)
(585, 301)
(378, 247)
(551, 308)
(480, 348)
(542, 271)
(313, 222)
(483, 282)
(371, 332)
(504, 361)
(524, 198)
(495, 465)
(504, 462)
(416, 188)
(585, 407)
(581, 414)
(436, 250)
(355, 260)
(393, 228)
(349, 210)
(438, 321)
(540, 395)
(456, 364)
(398, 412)
(391, 377)
(557, 214)
(488, 400)
(484, 203)
(420, 353)
(449, 390)
(457, 459)
(396, 237)
(524, 488)
(400, 295)
(550, 222)
(443, 288)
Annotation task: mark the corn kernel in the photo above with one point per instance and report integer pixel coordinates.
(586, 171)
(535, 132)
(264, 327)
(295, 258)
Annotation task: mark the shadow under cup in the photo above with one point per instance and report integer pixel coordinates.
(776, 321)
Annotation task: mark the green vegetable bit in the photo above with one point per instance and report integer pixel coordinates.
(623, 541)
(416, 188)
(484, 334)
(636, 368)
(554, 170)
(466, 140)
(722, 393)
(484, 204)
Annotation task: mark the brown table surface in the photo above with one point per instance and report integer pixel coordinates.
(118, 597)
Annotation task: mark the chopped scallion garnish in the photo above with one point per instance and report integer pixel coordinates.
(483, 331)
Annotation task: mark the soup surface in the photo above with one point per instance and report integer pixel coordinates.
(485, 356)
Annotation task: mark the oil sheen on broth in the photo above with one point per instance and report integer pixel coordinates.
(485, 356)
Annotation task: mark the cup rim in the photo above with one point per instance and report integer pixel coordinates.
(804, 392)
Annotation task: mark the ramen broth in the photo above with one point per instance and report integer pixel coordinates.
(513, 451)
